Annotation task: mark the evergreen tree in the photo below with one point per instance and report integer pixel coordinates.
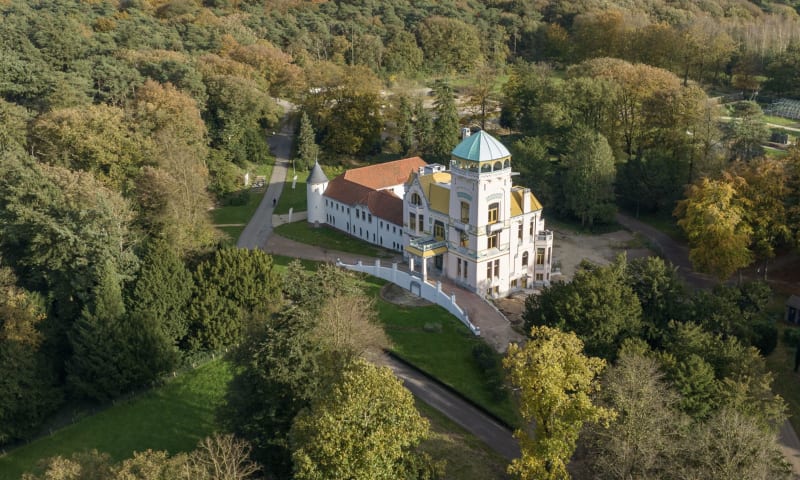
(163, 291)
(234, 283)
(307, 148)
(445, 127)
(98, 368)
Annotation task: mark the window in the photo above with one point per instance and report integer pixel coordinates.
(519, 232)
(458, 270)
(539, 277)
(464, 238)
(492, 241)
(370, 218)
(326, 202)
(360, 232)
(547, 259)
(493, 269)
(540, 256)
(422, 223)
(464, 212)
(438, 230)
(412, 221)
(394, 229)
(493, 209)
(533, 225)
(525, 259)
(415, 200)
(465, 268)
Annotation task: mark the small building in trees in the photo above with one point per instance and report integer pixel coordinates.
(793, 309)
(469, 224)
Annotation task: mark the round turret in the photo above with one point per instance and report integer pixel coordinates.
(316, 184)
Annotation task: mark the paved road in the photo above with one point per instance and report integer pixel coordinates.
(258, 234)
(489, 431)
(258, 230)
(678, 254)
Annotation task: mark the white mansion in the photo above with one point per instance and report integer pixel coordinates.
(469, 224)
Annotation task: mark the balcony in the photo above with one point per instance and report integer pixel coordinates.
(545, 236)
(426, 246)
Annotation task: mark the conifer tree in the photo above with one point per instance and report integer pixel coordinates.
(445, 127)
(307, 148)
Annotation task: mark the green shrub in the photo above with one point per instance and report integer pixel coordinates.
(791, 336)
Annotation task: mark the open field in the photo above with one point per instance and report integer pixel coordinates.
(172, 418)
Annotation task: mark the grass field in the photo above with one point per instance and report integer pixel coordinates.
(436, 342)
(237, 216)
(329, 238)
(295, 198)
(173, 418)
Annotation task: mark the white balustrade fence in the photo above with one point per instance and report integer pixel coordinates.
(416, 286)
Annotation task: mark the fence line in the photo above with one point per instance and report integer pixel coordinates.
(417, 286)
(78, 414)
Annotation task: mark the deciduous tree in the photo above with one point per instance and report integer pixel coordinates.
(363, 428)
(719, 237)
(588, 178)
(555, 383)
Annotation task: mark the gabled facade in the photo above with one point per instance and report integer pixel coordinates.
(469, 224)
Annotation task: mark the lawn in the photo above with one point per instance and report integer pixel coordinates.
(329, 238)
(296, 198)
(237, 216)
(173, 418)
(436, 342)
(786, 122)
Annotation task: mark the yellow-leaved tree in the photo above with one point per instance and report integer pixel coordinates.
(715, 225)
(554, 382)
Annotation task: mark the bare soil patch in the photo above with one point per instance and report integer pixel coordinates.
(569, 250)
(400, 296)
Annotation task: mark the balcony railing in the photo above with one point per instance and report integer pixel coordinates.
(544, 236)
(427, 243)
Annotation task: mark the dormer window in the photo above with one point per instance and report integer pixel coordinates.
(415, 199)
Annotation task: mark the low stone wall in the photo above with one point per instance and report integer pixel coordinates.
(415, 285)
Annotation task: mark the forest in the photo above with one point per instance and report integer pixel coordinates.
(124, 123)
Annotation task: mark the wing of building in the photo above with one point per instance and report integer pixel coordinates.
(468, 223)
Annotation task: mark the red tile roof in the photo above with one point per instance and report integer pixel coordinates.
(382, 203)
(385, 175)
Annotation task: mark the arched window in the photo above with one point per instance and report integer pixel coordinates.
(524, 259)
(486, 167)
(415, 199)
(506, 164)
(498, 166)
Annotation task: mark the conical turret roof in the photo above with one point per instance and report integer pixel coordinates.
(480, 147)
(316, 176)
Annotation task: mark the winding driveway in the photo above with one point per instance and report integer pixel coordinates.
(494, 326)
